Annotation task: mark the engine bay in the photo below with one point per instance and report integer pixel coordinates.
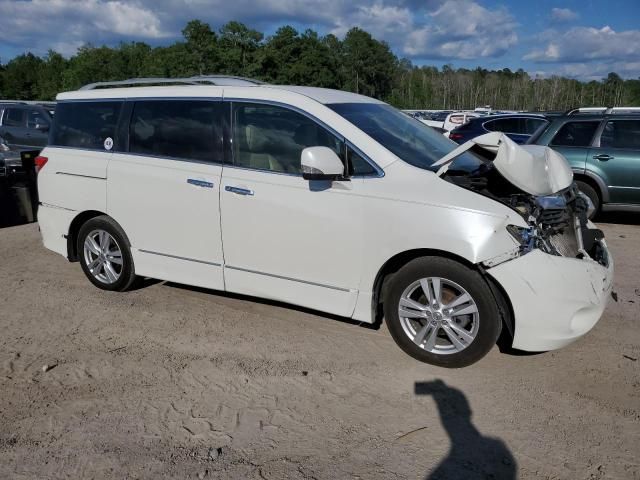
(558, 223)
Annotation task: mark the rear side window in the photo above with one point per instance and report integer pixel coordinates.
(621, 134)
(506, 125)
(15, 117)
(85, 124)
(181, 129)
(575, 134)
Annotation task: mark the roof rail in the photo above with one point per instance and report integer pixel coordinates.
(224, 80)
(42, 103)
(602, 110)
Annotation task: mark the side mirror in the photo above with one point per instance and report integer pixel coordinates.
(321, 163)
(43, 127)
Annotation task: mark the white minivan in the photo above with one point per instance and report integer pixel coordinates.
(328, 200)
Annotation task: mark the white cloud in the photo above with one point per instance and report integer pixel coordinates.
(456, 29)
(43, 24)
(561, 15)
(382, 21)
(590, 71)
(588, 53)
(423, 30)
(581, 44)
(463, 29)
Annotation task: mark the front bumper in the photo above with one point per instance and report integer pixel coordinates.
(555, 300)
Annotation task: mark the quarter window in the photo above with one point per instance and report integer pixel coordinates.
(532, 125)
(268, 137)
(85, 124)
(575, 134)
(182, 129)
(621, 134)
(358, 165)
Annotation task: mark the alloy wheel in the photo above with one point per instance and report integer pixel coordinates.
(102, 256)
(439, 315)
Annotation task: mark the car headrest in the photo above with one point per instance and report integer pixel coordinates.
(254, 138)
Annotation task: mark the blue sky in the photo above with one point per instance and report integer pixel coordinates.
(582, 39)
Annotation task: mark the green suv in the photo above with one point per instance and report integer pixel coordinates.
(604, 153)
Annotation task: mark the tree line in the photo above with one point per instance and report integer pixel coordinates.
(357, 63)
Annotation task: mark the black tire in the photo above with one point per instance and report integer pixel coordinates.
(590, 192)
(489, 323)
(126, 271)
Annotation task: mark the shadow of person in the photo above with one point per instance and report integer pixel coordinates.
(472, 455)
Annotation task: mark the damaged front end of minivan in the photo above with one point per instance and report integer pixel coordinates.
(561, 276)
(537, 183)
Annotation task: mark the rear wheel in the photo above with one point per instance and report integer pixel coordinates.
(590, 192)
(104, 254)
(441, 312)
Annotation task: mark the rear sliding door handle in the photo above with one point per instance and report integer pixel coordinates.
(238, 190)
(603, 157)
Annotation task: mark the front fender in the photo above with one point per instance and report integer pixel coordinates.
(471, 237)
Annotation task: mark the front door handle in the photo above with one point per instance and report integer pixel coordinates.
(238, 190)
(603, 157)
(199, 183)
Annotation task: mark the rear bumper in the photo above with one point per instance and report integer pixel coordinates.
(54, 225)
(555, 300)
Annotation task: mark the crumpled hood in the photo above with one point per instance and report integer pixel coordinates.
(533, 169)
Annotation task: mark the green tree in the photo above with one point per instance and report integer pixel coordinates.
(49, 79)
(201, 48)
(358, 63)
(131, 58)
(168, 62)
(21, 77)
(290, 58)
(368, 64)
(90, 65)
(238, 45)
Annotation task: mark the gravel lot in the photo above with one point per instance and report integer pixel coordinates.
(170, 381)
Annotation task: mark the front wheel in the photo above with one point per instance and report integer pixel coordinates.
(104, 254)
(441, 312)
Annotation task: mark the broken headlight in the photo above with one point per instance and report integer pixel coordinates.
(530, 238)
(525, 236)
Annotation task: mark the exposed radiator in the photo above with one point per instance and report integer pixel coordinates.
(565, 243)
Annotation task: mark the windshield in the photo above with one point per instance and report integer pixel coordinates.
(404, 136)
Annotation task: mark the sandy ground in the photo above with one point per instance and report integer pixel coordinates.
(173, 382)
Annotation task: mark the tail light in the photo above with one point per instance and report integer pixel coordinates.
(40, 162)
(455, 136)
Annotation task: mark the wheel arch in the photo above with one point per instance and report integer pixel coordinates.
(596, 183)
(74, 230)
(392, 265)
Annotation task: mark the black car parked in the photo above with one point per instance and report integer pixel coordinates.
(518, 127)
(24, 126)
